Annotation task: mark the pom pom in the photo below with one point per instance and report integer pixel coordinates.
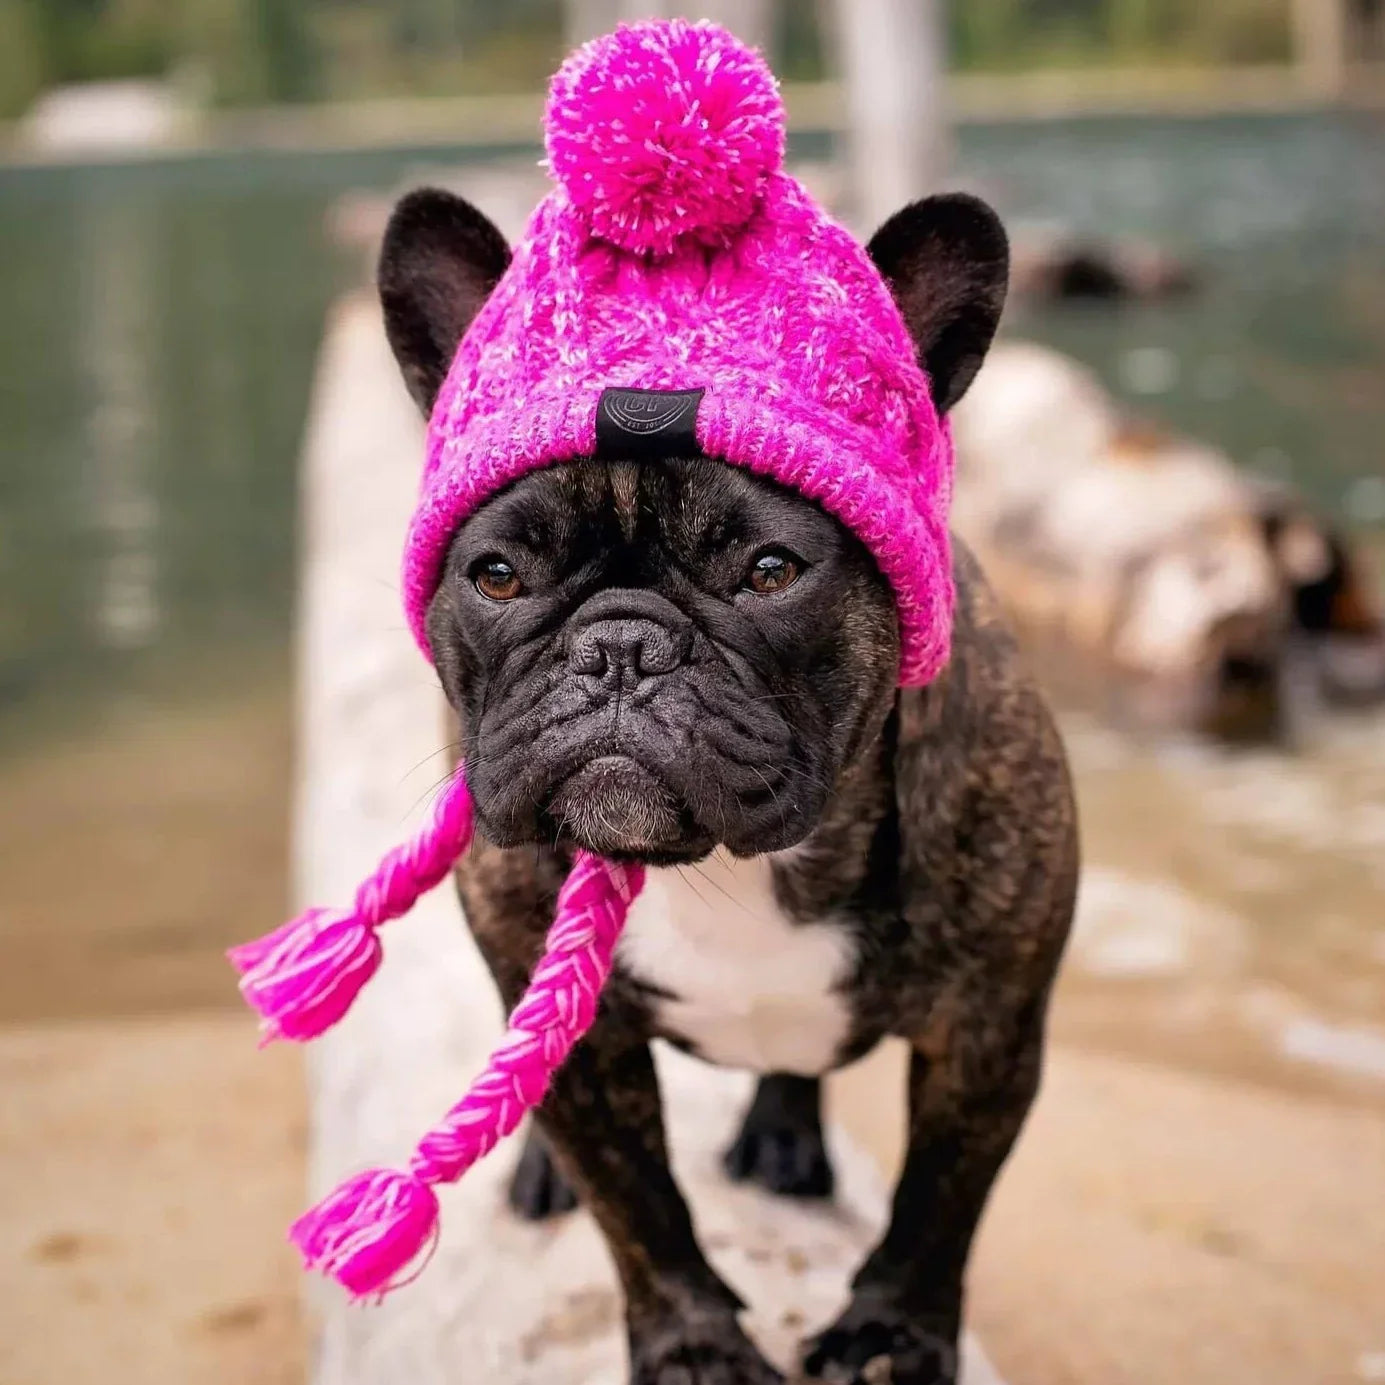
(367, 1233)
(303, 977)
(664, 131)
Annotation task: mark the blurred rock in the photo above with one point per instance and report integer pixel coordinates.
(1354, 1049)
(1149, 572)
(1130, 928)
(105, 117)
(1057, 268)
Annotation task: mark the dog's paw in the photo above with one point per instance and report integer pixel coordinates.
(787, 1158)
(876, 1343)
(705, 1350)
(537, 1190)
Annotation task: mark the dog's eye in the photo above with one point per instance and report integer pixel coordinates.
(772, 571)
(497, 580)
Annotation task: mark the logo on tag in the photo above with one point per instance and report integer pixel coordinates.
(647, 423)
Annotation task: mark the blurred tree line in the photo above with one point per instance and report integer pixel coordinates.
(1018, 34)
(253, 51)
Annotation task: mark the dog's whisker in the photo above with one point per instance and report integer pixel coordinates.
(720, 888)
(431, 755)
(682, 875)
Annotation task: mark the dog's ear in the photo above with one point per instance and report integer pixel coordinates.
(439, 260)
(947, 262)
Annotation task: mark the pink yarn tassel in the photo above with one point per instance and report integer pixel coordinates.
(366, 1233)
(303, 977)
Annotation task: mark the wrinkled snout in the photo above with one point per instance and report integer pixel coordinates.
(621, 647)
(621, 652)
(623, 639)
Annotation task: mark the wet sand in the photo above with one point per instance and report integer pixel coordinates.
(1160, 1226)
(150, 1155)
(148, 1169)
(133, 857)
(1188, 1204)
(1154, 1225)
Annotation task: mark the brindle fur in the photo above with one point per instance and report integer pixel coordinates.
(952, 851)
(946, 842)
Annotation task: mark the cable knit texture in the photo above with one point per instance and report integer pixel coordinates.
(675, 253)
(369, 1231)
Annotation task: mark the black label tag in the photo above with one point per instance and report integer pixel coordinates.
(647, 423)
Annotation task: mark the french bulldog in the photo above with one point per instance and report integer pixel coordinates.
(673, 661)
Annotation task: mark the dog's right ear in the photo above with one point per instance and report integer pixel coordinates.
(438, 263)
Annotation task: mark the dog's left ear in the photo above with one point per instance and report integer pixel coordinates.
(947, 262)
(439, 260)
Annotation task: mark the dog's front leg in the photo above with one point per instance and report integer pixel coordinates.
(966, 1107)
(603, 1121)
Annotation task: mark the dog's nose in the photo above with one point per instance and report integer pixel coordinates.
(624, 652)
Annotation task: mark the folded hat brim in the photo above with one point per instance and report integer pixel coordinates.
(793, 441)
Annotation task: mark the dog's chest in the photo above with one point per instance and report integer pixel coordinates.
(746, 986)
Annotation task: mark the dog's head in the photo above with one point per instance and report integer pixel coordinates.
(653, 658)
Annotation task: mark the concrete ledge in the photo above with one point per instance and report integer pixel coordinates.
(502, 1301)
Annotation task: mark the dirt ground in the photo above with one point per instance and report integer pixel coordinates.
(1155, 1226)
(132, 857)
(148, 1169)
(1175, 1214)
(1158, 1226)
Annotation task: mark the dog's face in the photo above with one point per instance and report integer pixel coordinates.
(653, 658)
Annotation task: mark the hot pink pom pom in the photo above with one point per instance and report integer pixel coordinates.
(663, 131)
(367, 1233)
(303, 977)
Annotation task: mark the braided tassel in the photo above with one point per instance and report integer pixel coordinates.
(303, 977)
(367, 1232)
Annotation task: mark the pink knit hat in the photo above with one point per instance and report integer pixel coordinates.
(676, 292)
(675, 254)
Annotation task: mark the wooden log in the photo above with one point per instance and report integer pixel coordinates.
(502, 1301)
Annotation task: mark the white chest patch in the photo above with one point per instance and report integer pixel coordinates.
(752, 988)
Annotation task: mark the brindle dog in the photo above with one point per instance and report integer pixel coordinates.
(677, 662)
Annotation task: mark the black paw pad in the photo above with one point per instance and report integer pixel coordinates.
(879, 1347)
(537, 1190)
(700, 1352)
(788, 1160)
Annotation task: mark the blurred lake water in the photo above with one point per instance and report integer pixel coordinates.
(158, 327)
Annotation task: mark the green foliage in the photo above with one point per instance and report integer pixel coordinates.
(21, 57)
(1023, 34)
(435, 47)
(252, 51)
(85, 40)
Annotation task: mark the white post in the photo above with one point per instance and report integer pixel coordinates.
(892, 59)
(1320, 46)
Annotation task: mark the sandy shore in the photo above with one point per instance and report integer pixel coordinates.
(1159, 1226)
(1194, 1211)
(1155, 1226)
(136, 853)
(147, 1172)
